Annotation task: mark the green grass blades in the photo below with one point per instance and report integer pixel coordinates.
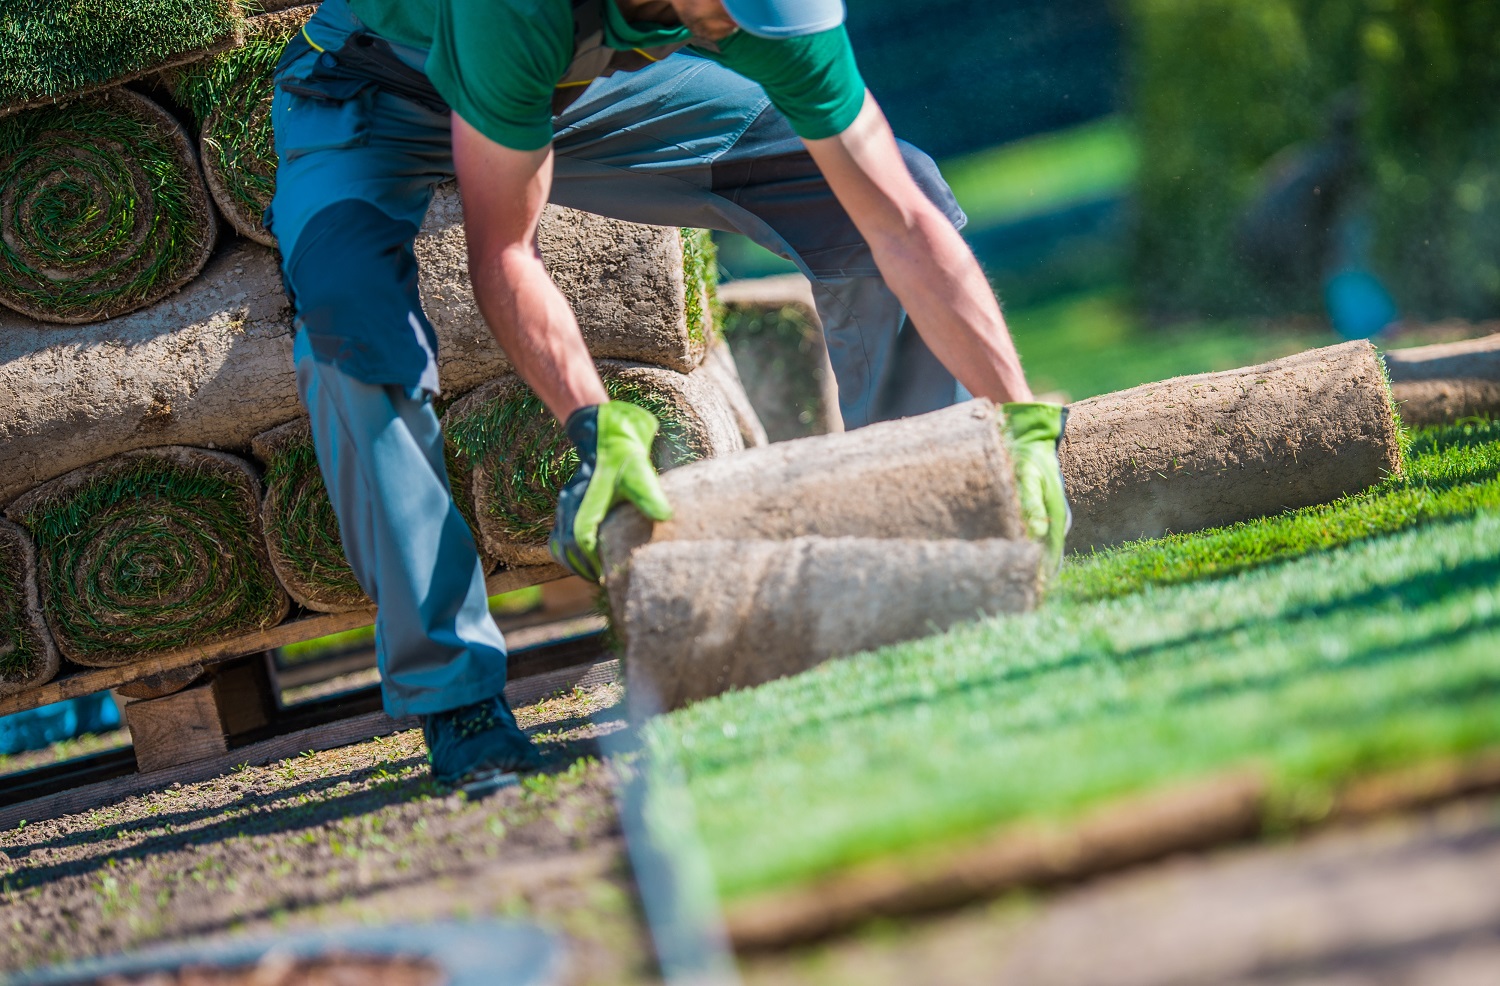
(700, 278)
(26, 657)
(151, 552)
(102, 209)
(526, 458)
(50, 49)
(1317, 671)
(303, 531)
(1451, 471)
(229, 96)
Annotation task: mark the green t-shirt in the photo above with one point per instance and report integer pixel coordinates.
(496, 62)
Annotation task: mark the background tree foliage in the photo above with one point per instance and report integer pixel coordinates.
(1220, 86)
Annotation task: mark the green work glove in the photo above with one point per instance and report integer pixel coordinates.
(1035, 430)
(614, 452)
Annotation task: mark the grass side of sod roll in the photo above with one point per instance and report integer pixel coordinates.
(229, 97)
(700, 278)
(305, 528)
(20, 650)
(101, 208)
(52, 49)
(152, 555)
(534, 457)
(1348, 651)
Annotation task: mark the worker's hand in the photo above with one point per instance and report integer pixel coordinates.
(1034, 431)
(614, 451)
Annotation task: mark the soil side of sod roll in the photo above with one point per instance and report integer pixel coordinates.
(229, 95)
(933, 476)
(640, 293)
(703, 617)
(211, 366)
(27, 655)
(521, 457)
(1441, 383)
(150, 552)
(103, 209)
(1208, 450)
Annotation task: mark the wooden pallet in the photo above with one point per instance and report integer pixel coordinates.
(309, 626)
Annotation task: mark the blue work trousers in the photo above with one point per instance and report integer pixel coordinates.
(683, 142)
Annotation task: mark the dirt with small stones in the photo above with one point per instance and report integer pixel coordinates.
(358, 834)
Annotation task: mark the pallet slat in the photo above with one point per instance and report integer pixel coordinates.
(91, 680)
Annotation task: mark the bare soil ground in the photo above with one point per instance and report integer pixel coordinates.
(353, 835)
(1412, 901)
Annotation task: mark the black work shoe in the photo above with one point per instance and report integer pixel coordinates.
(477, 744)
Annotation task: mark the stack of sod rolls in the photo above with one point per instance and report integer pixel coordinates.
(159, 478)
(789, 555)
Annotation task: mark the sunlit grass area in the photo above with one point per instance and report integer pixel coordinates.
(1339, 650)
(1043, 173)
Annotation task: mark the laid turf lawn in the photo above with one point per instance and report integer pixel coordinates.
(1316, 666)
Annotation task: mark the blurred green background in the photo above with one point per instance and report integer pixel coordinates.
(1159, 187)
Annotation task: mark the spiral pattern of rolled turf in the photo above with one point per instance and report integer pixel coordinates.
(521, 456)
(27, 655)
(149, 552)
(102, 209)
(230, 97)
(302, 531)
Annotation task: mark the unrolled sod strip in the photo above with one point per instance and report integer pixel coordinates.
(150, 552)
(229, 96)
(102, 209)
(211, 366)
(302, 531)
(1202, 451)
(521, 458)
(1442, 383)
(703, 617)
(944, 475)
(27, 655)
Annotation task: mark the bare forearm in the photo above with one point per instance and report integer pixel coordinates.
(532, 322)
(931, 269)
(922, 257)
(504, 192)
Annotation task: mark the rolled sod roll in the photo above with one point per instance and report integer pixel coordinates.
(719, 367)
(1202, 451)
(211, 366)
(1445, 382)
(944, 475)
(772, 327)
(51, 50)
(229, 96)
(641, 293)
(302, 531)
(102, 209)
(521, 457)
(27, 655)
(150, 552)
(703, 617)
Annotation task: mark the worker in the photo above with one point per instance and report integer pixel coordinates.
(742, 115)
